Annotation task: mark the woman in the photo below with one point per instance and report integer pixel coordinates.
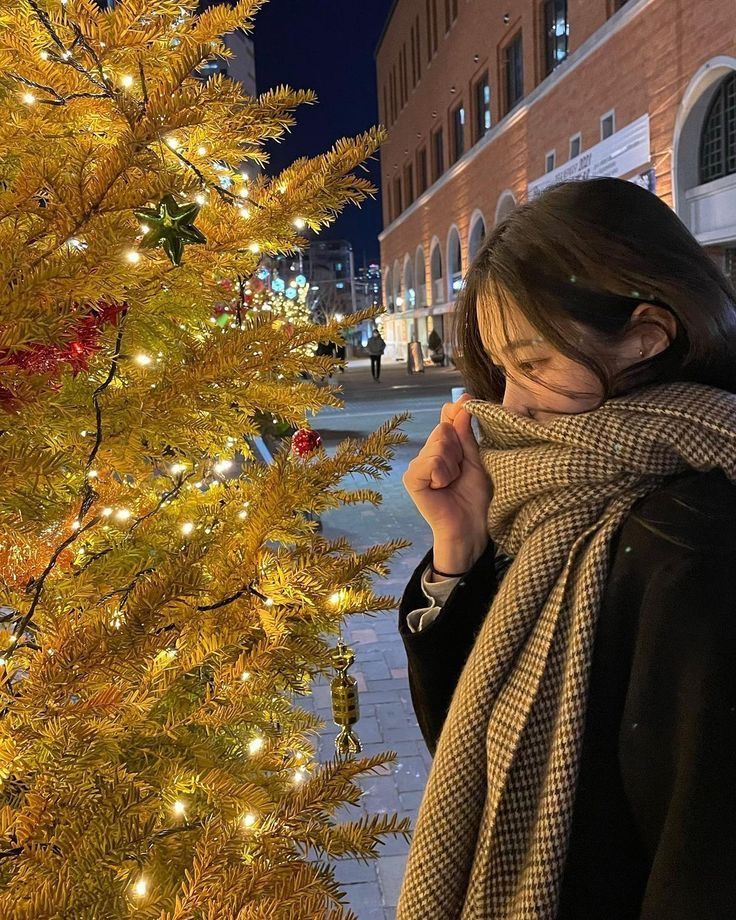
(571, 633)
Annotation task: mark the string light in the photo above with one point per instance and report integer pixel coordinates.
(177, 468)
(200, 198)
(242, 515)
(133, 256)
(144, 228)
(335, 598)
(268, 602)
(187, 528)
(123, 514)
(222, 466)
(244, 176)
(44, 55)
(245, 675)
(126, 80)
(249, 819)
(140, 889)
(29, 98)
(244, 212)
(76, 525)
(300, 223)
(143, 359)
(3, 662)
(300, 774)
(179, 808)
(244, 192)
(202, 151)
(92, 474)
(255, 745)
(106, 512)
(172, 142)
(254, 247)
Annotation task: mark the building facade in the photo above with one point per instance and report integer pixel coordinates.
(488, 102)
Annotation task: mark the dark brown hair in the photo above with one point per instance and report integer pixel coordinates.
(589, 252)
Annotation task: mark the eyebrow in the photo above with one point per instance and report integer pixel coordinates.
(522, 343)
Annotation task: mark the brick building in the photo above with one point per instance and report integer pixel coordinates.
(488, 101)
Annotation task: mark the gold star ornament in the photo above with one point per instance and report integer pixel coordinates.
(171, 226)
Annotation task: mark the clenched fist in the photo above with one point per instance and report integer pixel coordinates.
(451, 490)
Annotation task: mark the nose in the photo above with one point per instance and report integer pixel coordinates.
(514, 400)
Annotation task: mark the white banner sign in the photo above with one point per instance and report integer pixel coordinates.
(621, 153)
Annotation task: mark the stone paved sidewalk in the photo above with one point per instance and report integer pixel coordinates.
(387, 720)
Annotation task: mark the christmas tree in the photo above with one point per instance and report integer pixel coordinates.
(166, 599)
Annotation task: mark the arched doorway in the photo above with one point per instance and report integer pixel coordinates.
(477, 235)
(506, 204)
(420, 277)
(704, 159)
(454, 263)
(438, 280)
(409, 291)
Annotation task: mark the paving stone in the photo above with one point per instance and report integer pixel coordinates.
(390, 873)
(356, 871)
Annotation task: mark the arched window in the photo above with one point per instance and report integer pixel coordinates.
(389, 289)
(398, 297)
(438, 281)
(420, 276)
(454, 261)
(717, 156)
(477, 235)
(409, 292)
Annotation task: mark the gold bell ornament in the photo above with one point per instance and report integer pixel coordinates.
(345, 708)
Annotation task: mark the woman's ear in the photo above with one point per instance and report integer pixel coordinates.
(652, 331)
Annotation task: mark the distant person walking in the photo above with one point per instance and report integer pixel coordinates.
(376, 347)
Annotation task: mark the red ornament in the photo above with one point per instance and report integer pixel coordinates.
(304, 441)
(44, 358)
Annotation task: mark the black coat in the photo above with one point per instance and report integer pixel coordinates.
(654, 824)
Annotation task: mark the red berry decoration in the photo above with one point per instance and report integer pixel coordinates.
(304, 441)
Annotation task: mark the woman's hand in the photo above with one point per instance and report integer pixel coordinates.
(451, 489)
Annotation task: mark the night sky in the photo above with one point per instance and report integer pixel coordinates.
(326, 46)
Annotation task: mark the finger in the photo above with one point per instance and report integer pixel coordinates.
(445, 438)
(430, 473)
(463, 427)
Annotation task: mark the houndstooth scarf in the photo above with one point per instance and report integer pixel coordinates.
(493, 827)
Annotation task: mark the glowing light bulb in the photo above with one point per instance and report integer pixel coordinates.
(300, 774)
(126, 80)
(179, 808)
(123, 514)
(254, 247)
(92, 474)
(143, 359)
(187, 528)
(244, 176)
(244, 212)
(268, 602)
(242, 515)
(76, 525)
(335, 597)
(202, 151)
(249, 819)
(44, 55)
(172, 142)
(245, 675)
(144, 228)
(255, 745)
(282, 189)
(200, 198)
(106, 512)
(133, 256)
(300, 223)
(177, 468)
(244, 192)
(29, 98)
(140, 889)
(3, 662)
(223, 465)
